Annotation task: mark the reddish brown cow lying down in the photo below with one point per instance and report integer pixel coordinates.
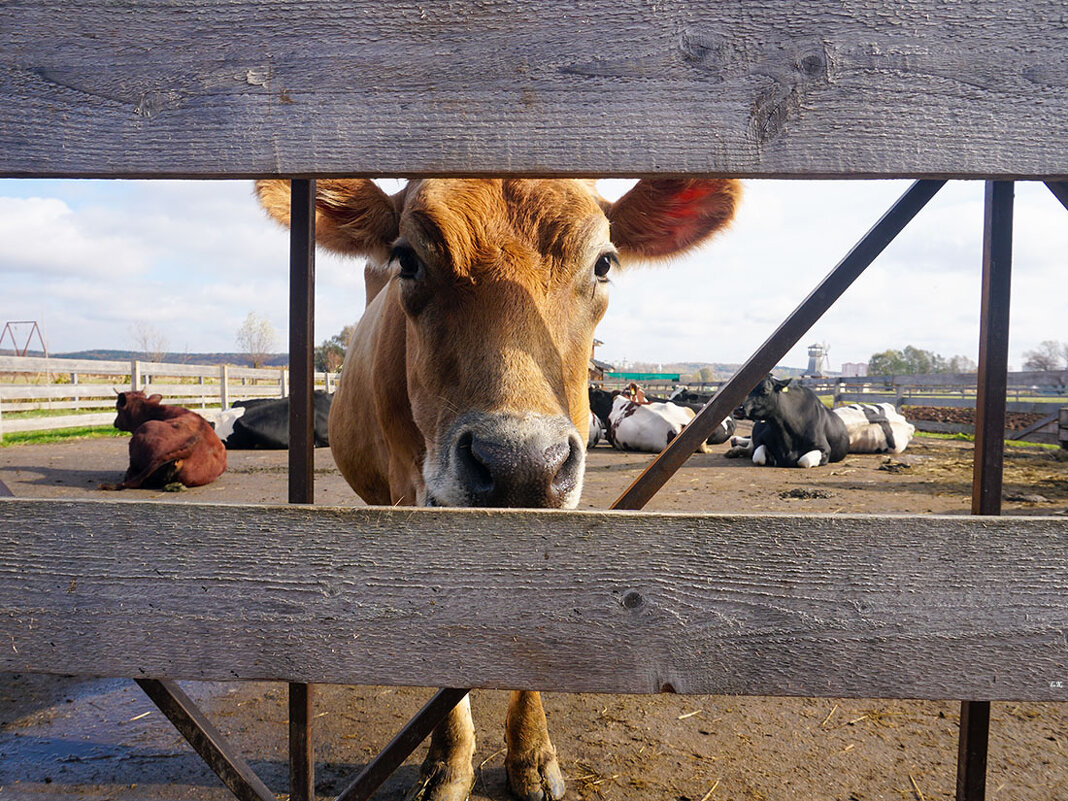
(465, 380)
(169, 444)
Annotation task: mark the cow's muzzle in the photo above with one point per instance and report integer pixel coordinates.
(534, 461)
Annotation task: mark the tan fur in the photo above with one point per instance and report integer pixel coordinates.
(499, 324)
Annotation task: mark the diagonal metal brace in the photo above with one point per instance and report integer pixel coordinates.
(1059, 190)
(206, 740)
(399, 748)
(731, 394)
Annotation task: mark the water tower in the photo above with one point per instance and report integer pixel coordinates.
(817, 359)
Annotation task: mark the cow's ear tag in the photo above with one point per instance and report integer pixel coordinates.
(785, 389)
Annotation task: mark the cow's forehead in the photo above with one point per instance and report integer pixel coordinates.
(473, 220)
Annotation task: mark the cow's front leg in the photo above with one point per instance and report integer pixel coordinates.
(533, 772)
(447, 774)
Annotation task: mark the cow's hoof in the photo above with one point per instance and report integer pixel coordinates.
(535, 775)
(737, 452)
(439, 782)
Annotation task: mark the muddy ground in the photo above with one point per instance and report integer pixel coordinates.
(102, 739)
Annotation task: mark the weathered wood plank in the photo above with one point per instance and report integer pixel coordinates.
(743, 87)
(932, 607)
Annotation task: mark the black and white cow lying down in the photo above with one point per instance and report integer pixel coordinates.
(792, 427)
(647, 427)
(264, 423)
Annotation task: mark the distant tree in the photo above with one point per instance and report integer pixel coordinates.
(149, 340)
(331, 354)
(257, 338)
(916, 361)
(1049, 355)
(889, 362)
(961, 364)
(708, 375)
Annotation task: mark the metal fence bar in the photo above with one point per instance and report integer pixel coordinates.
(989, 443)
(406, 741)
(301, 753)
(206, 740)
(301, 443)
(771, 352)
(1059, 190)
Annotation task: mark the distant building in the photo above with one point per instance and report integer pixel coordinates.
(854, 369)
(598, 369)
(817, 360)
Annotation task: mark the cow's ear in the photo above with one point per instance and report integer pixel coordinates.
(352, 215)
(156, 398)
(120, 401)
(665, 216)
(782, 385)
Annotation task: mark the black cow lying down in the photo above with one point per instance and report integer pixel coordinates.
(791, 428)
(264, 423)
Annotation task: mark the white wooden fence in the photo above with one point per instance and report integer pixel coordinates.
(88, 387)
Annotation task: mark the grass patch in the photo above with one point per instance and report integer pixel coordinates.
(60, 435)
(30, 414)
(937, 435)
(1015, 443)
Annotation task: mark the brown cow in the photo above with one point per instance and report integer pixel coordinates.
(465, 380)
(170, 444)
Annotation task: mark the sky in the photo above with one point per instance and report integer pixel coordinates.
(89, 260)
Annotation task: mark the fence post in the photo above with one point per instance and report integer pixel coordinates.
(283, 382)
(224, 388)
(203, 400)
(135, 375)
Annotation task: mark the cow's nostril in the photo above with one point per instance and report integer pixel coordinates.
(477, 475)
(567, 477)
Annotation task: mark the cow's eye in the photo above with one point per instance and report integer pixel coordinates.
(410, 265)
(604, 265)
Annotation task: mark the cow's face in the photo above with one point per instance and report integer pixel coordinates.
(765, 398)
(501, 284)
(134, 409)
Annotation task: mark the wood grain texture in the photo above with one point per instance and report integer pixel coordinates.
(924, 607)
(239, 88)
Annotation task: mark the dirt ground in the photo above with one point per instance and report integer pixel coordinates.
(64, 738)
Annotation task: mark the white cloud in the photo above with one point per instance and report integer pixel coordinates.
(44, 236)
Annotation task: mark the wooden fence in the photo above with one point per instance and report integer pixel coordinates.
(869, 89)
(30, 384)
(631, 602)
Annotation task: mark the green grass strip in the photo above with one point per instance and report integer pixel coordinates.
(60, 435)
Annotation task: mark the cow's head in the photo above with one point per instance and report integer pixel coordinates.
(134, 409)
(500, 284)
(601, 403)
(765, 398)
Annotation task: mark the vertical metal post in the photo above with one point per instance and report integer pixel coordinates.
(301, 443)
(989, 442)
(301, 755)
(301, 336)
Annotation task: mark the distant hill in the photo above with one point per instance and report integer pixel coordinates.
(102, 354)
(717, 371)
